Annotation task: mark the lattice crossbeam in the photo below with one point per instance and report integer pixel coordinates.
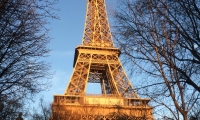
(97, 32)
(105, 69)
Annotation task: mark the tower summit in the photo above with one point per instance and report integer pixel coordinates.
(97, 31)
(96, 60)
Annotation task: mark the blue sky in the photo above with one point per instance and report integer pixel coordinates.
(66, 34)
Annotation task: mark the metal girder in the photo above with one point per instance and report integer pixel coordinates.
(97, 31)
(104, 68)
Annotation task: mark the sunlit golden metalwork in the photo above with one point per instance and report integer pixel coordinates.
(97, 31)
(97, 61)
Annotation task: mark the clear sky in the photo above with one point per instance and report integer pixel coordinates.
(66, 34)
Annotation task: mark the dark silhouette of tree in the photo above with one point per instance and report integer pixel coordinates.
(19, 116)
(161, 38)
(42, 112)
(194, 114)
(23, 41)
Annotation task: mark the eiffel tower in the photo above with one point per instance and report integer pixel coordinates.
(96, 60)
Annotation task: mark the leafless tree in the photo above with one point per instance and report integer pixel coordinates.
(23, 41)
(60, 113)
(161, 38)
(194, 114)
(41, 112)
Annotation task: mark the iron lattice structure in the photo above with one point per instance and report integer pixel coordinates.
(97, 61)
(97, 31)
